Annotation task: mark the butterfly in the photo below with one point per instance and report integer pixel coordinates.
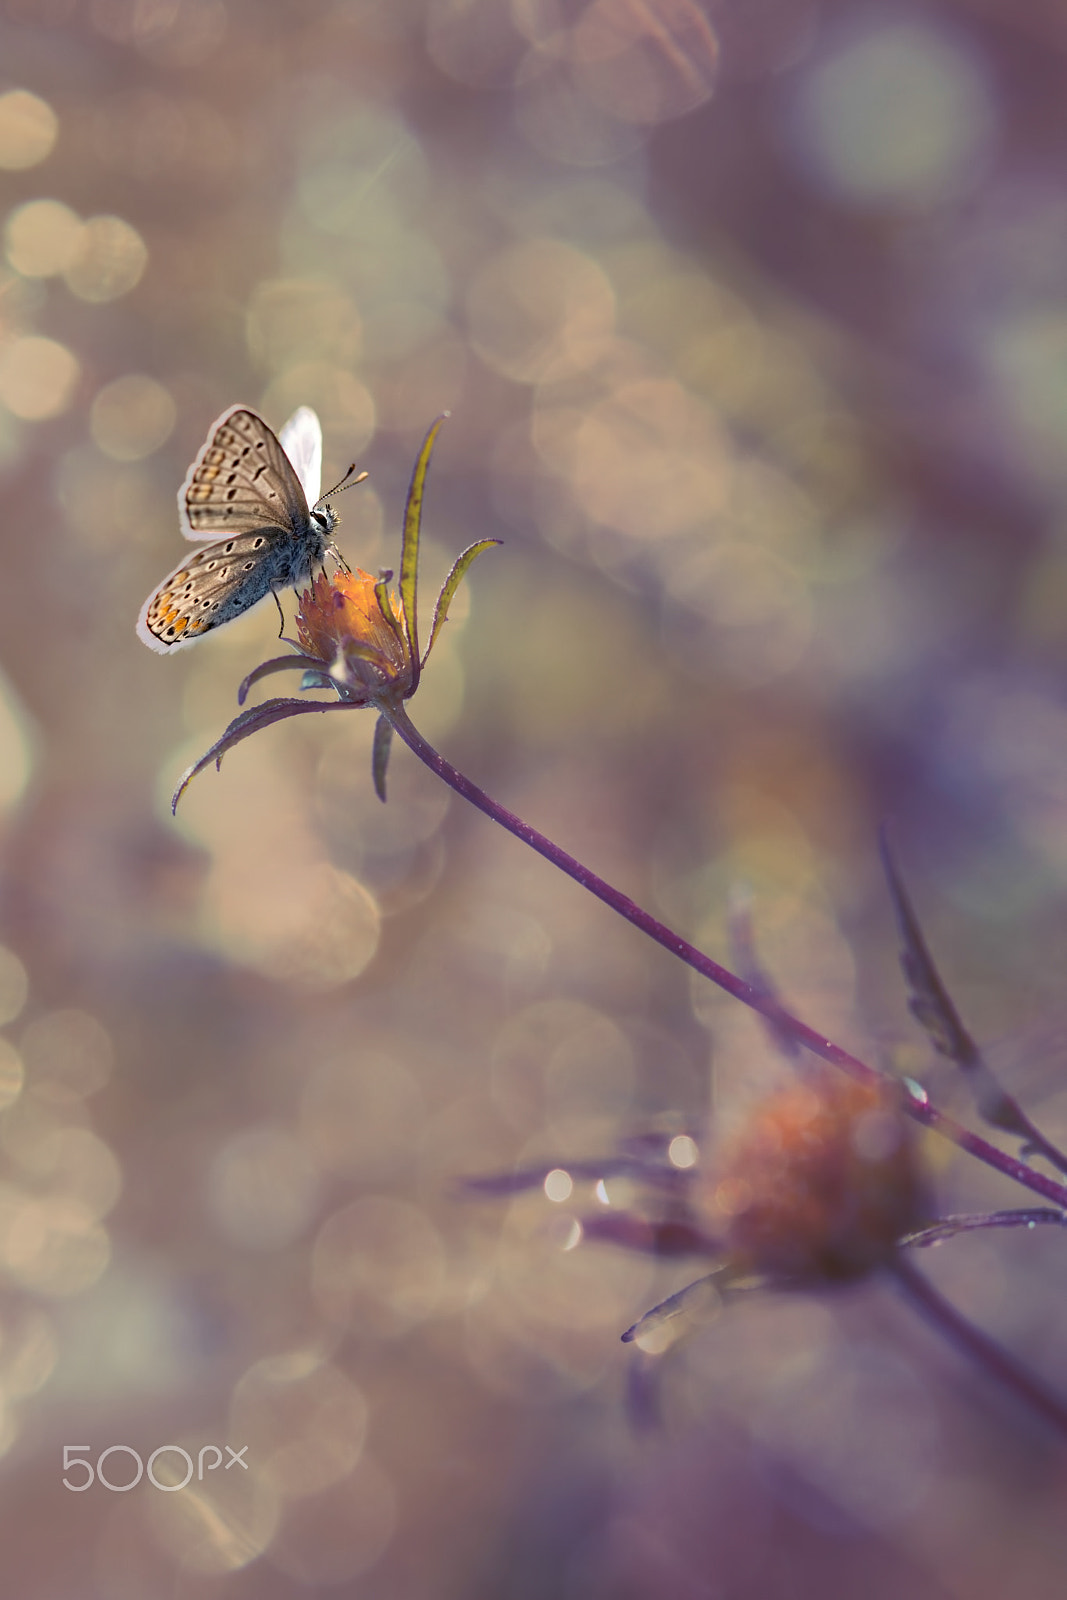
(255, 495)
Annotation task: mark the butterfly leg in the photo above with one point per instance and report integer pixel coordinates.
(281, 613)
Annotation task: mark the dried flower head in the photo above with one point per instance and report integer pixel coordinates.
(821, 1183)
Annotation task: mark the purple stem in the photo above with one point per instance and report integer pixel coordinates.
(988, 1355)
(915, 1102)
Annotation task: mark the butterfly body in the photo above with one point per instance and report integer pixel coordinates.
(254, 495)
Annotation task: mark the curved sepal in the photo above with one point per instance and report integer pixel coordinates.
(385, 605)
(276, 664)
(931, 1005)
(250, 722)
(409, 550)
(459, 571)
(701, 1296)
(948, 1227)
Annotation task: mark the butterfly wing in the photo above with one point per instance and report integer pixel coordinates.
(216, 584)
(241, 480)
(301, 439)
(252, 489)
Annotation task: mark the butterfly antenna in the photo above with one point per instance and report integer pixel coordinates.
(347, 482)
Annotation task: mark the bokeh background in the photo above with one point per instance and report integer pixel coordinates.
(752, 320)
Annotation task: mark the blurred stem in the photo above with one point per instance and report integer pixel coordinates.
(974, 1222)
(985, 1352)
(914, 1102)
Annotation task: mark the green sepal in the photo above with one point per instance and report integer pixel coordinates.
(409, 550)
(381, 592)
(383, 740)
(451, 584)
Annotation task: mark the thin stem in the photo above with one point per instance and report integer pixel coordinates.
(988, 1355)
(914, 1101)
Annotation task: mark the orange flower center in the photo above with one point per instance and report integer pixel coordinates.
(341, 619)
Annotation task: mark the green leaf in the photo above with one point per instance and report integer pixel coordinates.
(409, 551)
(383, 740)
(451, 584)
